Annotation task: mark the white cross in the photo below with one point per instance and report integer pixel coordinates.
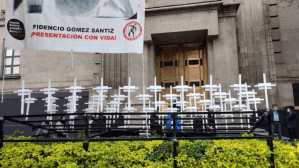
(194, 96)
(144, 97)
(182, 88)
(149, 108)
(129, 89)
(220, 95)
(74, 90)
(181, 103)
(127, 110)
(214, 106)
(109, 110)
(211, 88)
(230, 101)
(91, 107)
(239, 87)
(73, 100)
(114, 104)
(254, 101)
(50, 100)
(29, 101)
(23, 92)
(265, 86)
(204, 102)
(156, 88)
(52, 108)
(171, 97)
(191, 108)
(161, 104)
(101, 97)
(119, 98)
(246, 94)
(49, 91)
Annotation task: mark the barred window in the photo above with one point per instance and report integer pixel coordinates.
(11, 63)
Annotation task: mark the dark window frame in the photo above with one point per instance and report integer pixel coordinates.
(167, 64)
(4, 66)
(197, 83)
(167, 84)
(193, 62)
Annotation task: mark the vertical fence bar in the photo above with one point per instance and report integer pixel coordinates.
(270, 144)
(86, 142)
(1, 131)
(175, 141)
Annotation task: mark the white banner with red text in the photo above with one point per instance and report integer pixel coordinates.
(98, 26)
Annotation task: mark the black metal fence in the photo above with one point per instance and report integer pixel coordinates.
(139, 126)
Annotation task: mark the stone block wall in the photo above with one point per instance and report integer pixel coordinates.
(38, 66)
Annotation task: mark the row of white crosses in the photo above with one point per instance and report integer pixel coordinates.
(225, 99)
(97, 103)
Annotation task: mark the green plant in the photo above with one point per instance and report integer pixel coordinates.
(247, 135)
(162, 152)
(229, 153)
(286, 155)
(81, 134)
(154, 134)
(150, 154)
(194, 149)
(17, 133)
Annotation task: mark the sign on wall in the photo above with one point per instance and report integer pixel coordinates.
(101, 26)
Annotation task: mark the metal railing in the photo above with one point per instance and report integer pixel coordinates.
(113, 126)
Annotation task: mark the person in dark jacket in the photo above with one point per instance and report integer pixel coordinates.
(275, 120)
(155, 126)
(292, 123)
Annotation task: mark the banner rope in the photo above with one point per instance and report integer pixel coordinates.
(72, 59)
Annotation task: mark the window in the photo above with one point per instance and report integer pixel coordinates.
(11, 63)
(167, 85)
(296, 93)
(193, 62)
(194, 83)
(168, 63)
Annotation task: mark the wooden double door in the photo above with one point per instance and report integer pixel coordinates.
(188, 60)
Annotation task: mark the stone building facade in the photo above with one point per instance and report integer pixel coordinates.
(248, 37)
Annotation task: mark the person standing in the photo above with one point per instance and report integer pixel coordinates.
(292, 123)
(275, 120)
